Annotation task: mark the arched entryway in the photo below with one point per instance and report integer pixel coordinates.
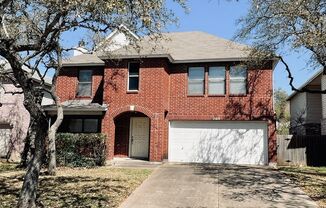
(132, 135)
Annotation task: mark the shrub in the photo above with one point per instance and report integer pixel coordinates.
(80, 150)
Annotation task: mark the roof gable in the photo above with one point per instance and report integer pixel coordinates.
(183, 47)
(312, 82)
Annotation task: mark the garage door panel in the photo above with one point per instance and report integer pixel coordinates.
(217, 142)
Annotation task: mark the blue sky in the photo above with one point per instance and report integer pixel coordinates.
(218, 17)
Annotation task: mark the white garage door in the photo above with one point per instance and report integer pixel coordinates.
(218, 142)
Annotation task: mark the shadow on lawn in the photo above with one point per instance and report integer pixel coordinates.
(312, 180)
(67, 191)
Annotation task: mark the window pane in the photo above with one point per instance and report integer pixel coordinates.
(133, 68)
(196, 88)
(75, 125)
(216, 88)
(237, 87)
(85, 76)
(90, 125)
(216, 72)
(84, 89)
(196, 73)
(238, 72)
(133, 83)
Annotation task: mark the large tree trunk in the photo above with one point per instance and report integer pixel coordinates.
(27, 197)
(51, 135)
(27, 151)
(53, 130)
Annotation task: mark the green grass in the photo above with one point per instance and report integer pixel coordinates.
(77, 187)
(5, 166)
(311, 179)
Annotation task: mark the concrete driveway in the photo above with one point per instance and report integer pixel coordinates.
(188, 185)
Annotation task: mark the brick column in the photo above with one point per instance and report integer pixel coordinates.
(156, 137)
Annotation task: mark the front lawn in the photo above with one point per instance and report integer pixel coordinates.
(5, 166)
(311, 179)
(76, 187)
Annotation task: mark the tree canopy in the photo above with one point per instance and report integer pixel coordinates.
(274, 26)
(30, 35)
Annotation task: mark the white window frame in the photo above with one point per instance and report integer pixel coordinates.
(196, 81)
(91, 82)
(239, 79)
(217, 80)
(138, 76)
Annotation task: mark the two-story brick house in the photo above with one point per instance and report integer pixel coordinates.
(190, 99)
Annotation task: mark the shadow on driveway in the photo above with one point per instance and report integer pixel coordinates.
(250, 186)
(225, 186)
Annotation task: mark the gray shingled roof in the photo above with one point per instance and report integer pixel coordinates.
(78, 105)
(184, 47)
(305, 84)
(83, 60)
(7, 68)
(178, 47)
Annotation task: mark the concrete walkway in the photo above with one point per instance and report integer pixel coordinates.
(190, 186)
(133, 163)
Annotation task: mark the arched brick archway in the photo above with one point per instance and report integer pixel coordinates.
(155, 146)
(126, 108)
(132, 135)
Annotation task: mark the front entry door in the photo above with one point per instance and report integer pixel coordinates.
(139, 137)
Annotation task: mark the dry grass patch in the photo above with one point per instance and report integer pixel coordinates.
(77, 187)
(5, 166)
(311, 179)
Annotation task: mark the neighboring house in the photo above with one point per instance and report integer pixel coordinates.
(14, 118)
(188, 100)
(308, 109)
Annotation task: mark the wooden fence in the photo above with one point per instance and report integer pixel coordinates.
(301, 150)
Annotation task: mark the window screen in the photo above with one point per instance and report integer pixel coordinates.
(238, 80)
(85, 83)
(196, 77)
(216, 80)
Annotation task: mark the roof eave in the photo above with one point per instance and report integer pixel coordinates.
(168, 56)
(304, 84)
(173, 60)
(76, 111)
(82, 64)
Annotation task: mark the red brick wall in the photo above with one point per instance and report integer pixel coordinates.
(163, 96)
(67, 83)
(151, 99)
(256, 105)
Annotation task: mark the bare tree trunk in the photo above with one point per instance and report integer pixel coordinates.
(53, 129)
(27, 147)
(52, 132)
(27, 197)
(24, 155)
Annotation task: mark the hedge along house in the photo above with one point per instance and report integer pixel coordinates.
(190, 99)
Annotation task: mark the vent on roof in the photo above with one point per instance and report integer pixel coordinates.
(80, 49)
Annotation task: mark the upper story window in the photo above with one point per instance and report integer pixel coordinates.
(85, 83)
(238, 80)
(133, 77)
(196, 80)
(216, 80)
